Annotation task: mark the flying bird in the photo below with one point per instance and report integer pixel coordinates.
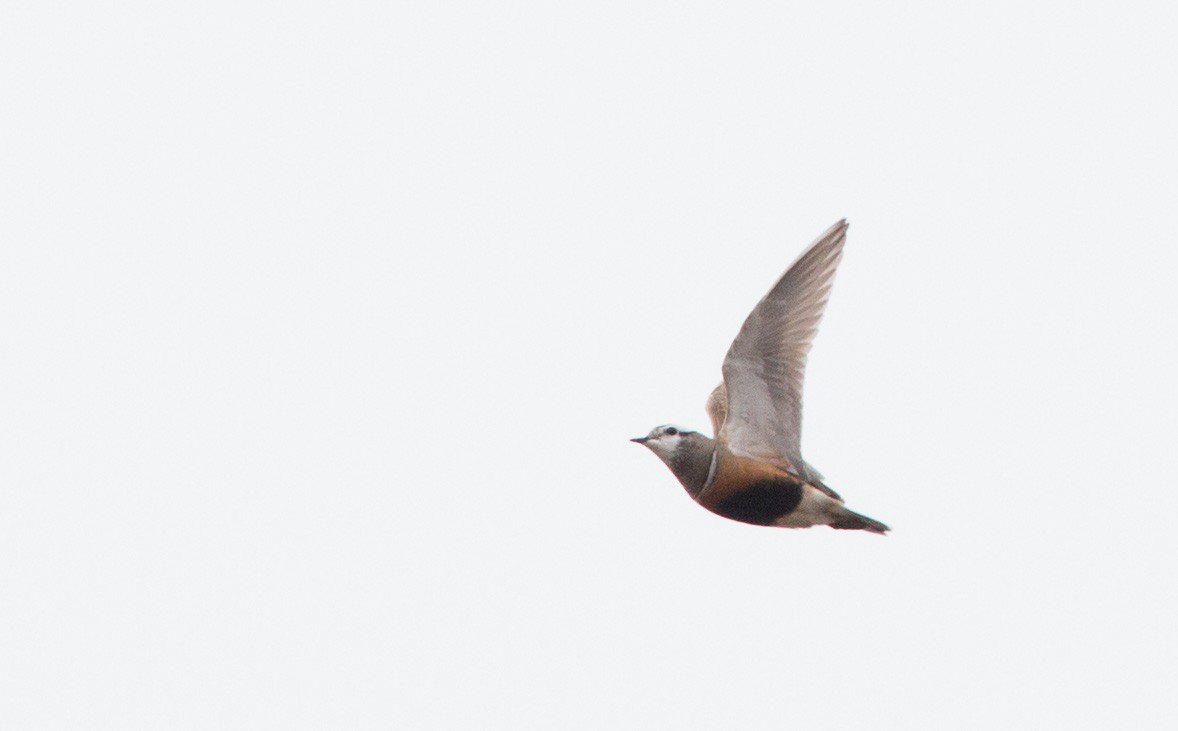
(753, 471)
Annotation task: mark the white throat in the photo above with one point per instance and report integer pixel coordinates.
(665, 445)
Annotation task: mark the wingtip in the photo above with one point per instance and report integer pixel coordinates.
(837, 232)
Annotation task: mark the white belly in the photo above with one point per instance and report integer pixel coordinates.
(816, 508)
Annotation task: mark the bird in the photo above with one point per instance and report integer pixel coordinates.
(752, 470)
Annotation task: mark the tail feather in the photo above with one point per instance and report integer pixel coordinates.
(850, 520)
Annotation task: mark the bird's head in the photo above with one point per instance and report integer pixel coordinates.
(666, 440)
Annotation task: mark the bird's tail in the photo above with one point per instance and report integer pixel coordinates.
(850, 520)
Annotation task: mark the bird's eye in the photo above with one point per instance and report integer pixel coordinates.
(672, 431)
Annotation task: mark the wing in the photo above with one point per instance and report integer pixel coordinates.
(765, 366)
(717, 407)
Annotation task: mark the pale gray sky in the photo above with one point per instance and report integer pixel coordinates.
(326, 326)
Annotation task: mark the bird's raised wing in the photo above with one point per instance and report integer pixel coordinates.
(765, 365)
(717, 407)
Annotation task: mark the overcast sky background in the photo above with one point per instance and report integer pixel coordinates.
(326, 325)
